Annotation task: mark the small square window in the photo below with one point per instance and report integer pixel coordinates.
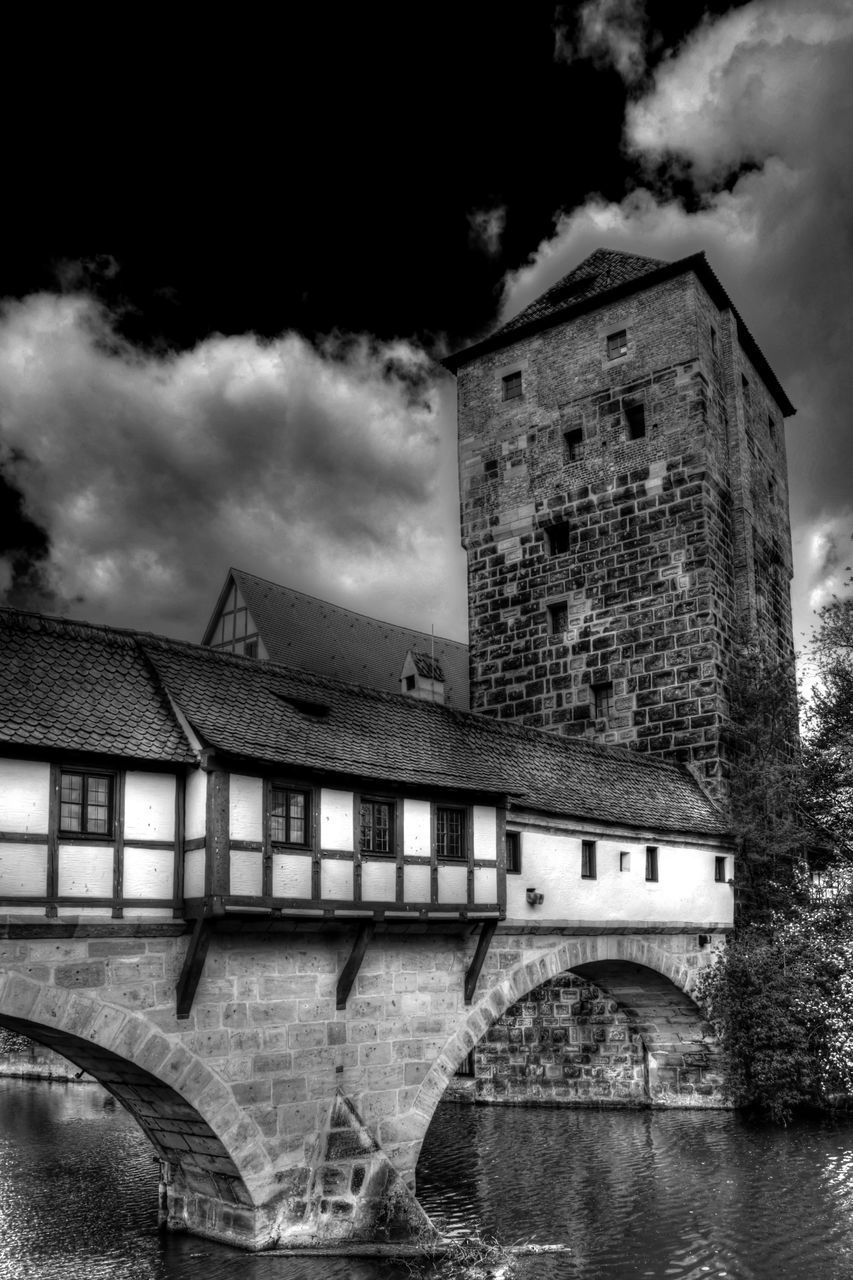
(450, 832)
(587, 859)
(410, 682)
(617, 344)
(573, 444)
(513, 853)
(651, 862)
(558, 539)
(512, 386)
(720, 870)
(376, 823)
(558, 618)
(602, 701)
(251, 648)
(635, 418)
(289, 816)
(624, 860)
(85, 804)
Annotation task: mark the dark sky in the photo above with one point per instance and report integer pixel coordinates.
(235, 254)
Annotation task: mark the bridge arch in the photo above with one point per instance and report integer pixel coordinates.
(653, 986)
(214, 1171)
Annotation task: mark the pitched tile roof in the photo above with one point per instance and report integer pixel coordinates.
(312, 634)
(111, 697)
(427, 667)
(608, 274)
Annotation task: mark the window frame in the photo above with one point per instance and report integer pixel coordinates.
(509, 383)
(720, 869)
(388, 802)
(602, 701)
(635, 420)
(589, 869)
(564, 528)
(84, 833)
(454, 859)
(556, 609)
(624, 860)
(652, 864)
(573, 444)
(513, 838)
(617, 344)
(291, 788)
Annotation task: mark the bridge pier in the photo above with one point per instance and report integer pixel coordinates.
(279, 1118)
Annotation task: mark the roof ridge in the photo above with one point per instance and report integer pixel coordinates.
(330, 604)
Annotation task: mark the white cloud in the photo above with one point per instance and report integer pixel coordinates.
(326, 468)
(487, 228)
(610, 33)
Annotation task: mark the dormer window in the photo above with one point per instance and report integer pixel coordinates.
(617, 344)
(422, 677)
(512, 386)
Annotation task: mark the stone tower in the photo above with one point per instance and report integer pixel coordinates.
(624, 507)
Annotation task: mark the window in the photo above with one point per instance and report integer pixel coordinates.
(587, 859)
(635, 417)
(720, 870)
(558, 618)
(651, 862)
(411, 681)
(251, 648)
(602, 701)
(617, 344)
(512, 386)
(85, 803)
(558, 539)
(713, 341)
(466, 1066)
(376, 826)
(624, 860)
(513, 853)
(771, 427)
(573, 444)
(289, 816)
(450, 825)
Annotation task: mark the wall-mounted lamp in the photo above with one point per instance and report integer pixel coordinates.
(534, 898)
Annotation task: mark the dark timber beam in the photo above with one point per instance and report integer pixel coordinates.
(487, 932)
(192, 967)
(352, 966)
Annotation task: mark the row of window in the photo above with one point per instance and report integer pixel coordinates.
(589, 869)
(512, 387)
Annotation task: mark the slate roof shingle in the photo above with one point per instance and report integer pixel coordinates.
(302, 631)
(111, 697)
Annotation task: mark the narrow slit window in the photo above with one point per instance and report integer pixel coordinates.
(771, 427)
(617, 344)
(587, 859)
(602, 701)
(624, 860)
(651, 862)
(635, 418)
(713, 341)
(513, 853)
(512, 389)
(720, 870)
(573, 444)
(558, 618)
(288, 816)
(558, 539)
(450, 827)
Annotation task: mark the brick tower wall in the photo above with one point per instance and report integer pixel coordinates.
(608, 581)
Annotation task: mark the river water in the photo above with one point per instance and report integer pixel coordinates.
(681, 1195)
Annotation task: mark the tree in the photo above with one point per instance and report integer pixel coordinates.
(829, 730)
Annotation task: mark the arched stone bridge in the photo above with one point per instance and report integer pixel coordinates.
(279, 1118)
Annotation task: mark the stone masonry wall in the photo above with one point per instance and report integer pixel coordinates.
(635, 540)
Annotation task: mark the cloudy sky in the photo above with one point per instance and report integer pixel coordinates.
(234, 268)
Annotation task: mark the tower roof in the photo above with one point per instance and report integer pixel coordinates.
(608, 274)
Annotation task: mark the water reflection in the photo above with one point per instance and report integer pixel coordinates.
(632, 1194)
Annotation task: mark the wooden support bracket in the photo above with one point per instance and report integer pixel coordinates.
(192, 967)
(352, 966)
(487, 932)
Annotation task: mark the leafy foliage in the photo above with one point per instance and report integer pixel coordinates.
(829, 729)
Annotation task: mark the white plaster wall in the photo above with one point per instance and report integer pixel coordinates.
(148, 873)
(23, 870)
(291, 876)
(246, 872)
(336, 878)
(379, 881)
(453, 884)
(416, 829)
(485, 832)
(149, 806)
(245, 807)
(551, 863)
(194, 873)
(196, 801)
(85, 870)
(336, 820)
(485, 884)
(416, 883)
(24, 796)
(147, 913)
